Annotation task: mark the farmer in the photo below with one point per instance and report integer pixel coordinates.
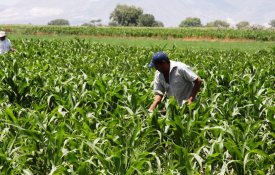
(5, 44)
(175, 79)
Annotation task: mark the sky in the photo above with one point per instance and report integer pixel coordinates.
(170, 12)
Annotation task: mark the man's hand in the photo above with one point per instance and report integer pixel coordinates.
(197, 85)
(190, 100)
(157, 100)
(150, 110)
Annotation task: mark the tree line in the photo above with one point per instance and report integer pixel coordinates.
(124, 15)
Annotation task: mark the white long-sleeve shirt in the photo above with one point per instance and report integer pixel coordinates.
(5, 46)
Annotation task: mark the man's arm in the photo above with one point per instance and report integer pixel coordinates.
(196, 88)
(158, 91)
(11, 49)
(157, 100)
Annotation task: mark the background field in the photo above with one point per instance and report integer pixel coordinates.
(164, 33)
(78, 105)
(179, 44)
(165, 38)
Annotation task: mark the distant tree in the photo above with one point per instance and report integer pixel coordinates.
(87, 24)
(93, 23)
(146, 20)
(113, 24)
(210, 24)
(126, 15)
(59, 22)
(96, 22)
(158, 24)
(272, 23)
(218, 23)
(191, 22)
(243, 25)
(256, 27)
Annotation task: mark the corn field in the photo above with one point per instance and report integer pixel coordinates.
(79, 107)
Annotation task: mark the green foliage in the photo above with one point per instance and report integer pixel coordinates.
(158, 24)
(146, 20)
(218, 23)
(126, 15)
(59, 22)
(243, 25)
(93, 23)
(272, 23)
(113, 24)
(79, 107)
(191, 22)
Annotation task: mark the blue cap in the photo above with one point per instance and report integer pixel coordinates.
(158, 58)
